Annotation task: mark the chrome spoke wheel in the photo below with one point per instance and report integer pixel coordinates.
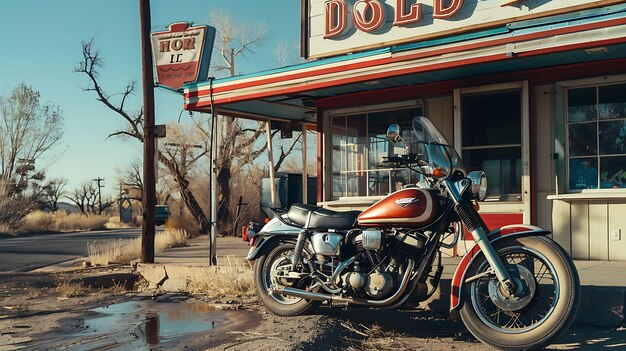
(535, 297)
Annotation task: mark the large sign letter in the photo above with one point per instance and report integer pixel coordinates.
(402, 17)
(336, 18)
(368, 15)
(442, 11)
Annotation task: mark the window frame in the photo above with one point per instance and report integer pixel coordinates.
(595, 83)
(328, 140)
(524, 204)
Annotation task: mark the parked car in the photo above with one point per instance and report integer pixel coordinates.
(161, 214)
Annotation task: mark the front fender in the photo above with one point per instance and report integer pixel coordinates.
(509, 231)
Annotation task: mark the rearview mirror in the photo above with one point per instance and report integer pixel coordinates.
(393, 133)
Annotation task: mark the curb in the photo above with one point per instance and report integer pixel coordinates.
(177, 278)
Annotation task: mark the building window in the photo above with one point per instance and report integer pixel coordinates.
(359, 144)
(596, 125)
(492, 140)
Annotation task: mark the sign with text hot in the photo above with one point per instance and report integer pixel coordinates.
(182, 54)
(333, 27)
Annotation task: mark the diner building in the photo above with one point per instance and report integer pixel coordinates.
(533, 92)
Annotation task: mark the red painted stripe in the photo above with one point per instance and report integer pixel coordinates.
(309, 87)
(484, 59)
(536, 77)
(372, 63)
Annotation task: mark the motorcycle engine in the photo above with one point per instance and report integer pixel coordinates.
(379, 271)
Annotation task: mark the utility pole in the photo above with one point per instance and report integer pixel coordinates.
(149, 147)
(100, 186)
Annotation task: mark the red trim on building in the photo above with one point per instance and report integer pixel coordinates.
(371, 63)
(535, 77)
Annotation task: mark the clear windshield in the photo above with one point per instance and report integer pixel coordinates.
(434, 149)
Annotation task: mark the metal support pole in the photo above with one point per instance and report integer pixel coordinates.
(149, 181)
(213, 243)
(270, 150)
(305, 169)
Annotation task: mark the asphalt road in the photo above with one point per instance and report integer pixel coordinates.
(25, 253)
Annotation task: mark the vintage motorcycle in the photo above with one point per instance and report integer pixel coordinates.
(515, 289)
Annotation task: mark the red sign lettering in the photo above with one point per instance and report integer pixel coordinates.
(442, 11)
(402, 17)
(368, 15)
(336, 18)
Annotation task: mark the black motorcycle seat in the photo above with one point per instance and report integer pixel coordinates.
(318, 218)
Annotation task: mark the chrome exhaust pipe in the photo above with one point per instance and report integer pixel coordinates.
(309, 295)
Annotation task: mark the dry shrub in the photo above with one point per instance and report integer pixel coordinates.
(184, 222)
(60, 221)
(5, 229)
(37, 222)
(126, 250)
(67, 289)
(115, 223)
(231, 278)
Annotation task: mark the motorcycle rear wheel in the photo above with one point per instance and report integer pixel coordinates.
(281, 305)
(546, 273)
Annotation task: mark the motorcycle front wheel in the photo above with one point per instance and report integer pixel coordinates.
(543, 306)
(267, 271)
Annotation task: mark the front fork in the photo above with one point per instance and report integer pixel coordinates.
(470, 217)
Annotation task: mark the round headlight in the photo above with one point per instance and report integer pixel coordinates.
(479, 184)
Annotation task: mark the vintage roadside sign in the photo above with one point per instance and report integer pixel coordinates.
(334, 27)
(182, 54)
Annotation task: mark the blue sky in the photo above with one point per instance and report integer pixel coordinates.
(41, 45)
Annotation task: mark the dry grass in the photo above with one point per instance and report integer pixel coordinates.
(115, 223)
(376, 338)
(184, 222)
(126, 250)
(232, 278)
(59, 221)
(67, 289)
(5, 229)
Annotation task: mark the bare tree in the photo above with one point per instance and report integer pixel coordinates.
(235, 142)
(282, 53)
(90, 66)
(235, 39)
(28, 130)
(131, 181)
(53, 190)
(85, 197)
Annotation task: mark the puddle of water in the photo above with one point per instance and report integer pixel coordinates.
(149, 323)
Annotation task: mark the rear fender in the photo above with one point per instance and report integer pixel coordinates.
(509, 231)
(274, 231)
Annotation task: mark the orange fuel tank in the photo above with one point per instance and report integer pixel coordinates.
(410, 207)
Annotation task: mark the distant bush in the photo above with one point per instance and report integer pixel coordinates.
(115, 223)
(184, 222)
(5, 229)
(60, 221)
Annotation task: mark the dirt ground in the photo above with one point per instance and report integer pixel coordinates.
(56, 310)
